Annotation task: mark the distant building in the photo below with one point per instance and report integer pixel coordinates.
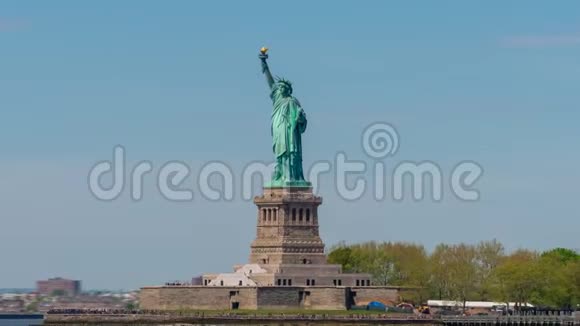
(58, 286)
(472, 307)
(11, 305)
(196, 280)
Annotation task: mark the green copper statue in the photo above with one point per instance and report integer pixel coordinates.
(288, 123)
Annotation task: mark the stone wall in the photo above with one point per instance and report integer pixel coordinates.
(326, 298)
(149, 298)
(265, 279)
(364, 295)
(197, 297)
(266, 297)
(309, 269)
(278, 297)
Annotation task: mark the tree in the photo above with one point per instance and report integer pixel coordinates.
(468, 272)
(440, 280)
(58, 293)
(131, 306)
(563, 255)
(390, 263)
(462, 272)
(572, 273)
(341, 255)
(488, 256)
(32, 307)
(559, 269)
(519, 277)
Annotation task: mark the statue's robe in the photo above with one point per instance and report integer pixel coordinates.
(288, 123)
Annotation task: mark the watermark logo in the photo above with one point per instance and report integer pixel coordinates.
(380, 141)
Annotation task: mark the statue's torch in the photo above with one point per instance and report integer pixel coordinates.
(263, 56)
(263, 53)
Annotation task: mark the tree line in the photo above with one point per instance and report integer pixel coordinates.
(464, 272)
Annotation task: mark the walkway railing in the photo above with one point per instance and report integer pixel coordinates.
(543, 320)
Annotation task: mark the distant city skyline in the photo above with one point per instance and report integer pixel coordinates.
(492, 83)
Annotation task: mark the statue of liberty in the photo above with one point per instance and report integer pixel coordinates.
(288, 123)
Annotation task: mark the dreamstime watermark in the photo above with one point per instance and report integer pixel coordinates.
(380, 141)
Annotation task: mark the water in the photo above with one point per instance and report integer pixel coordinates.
(21, 319)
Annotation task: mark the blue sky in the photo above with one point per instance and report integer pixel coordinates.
(492, 82)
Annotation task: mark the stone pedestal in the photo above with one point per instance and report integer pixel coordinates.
(287, 268)
(288, 250)
(287, 227)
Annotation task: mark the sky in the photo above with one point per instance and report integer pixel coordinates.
(491, 82)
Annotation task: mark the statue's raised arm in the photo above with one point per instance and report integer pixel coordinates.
(265, 69)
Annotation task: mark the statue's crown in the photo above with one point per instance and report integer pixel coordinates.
(284, 81)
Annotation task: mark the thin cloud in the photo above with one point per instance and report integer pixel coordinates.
(541, 41)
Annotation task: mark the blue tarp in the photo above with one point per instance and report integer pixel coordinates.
(376, 305)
